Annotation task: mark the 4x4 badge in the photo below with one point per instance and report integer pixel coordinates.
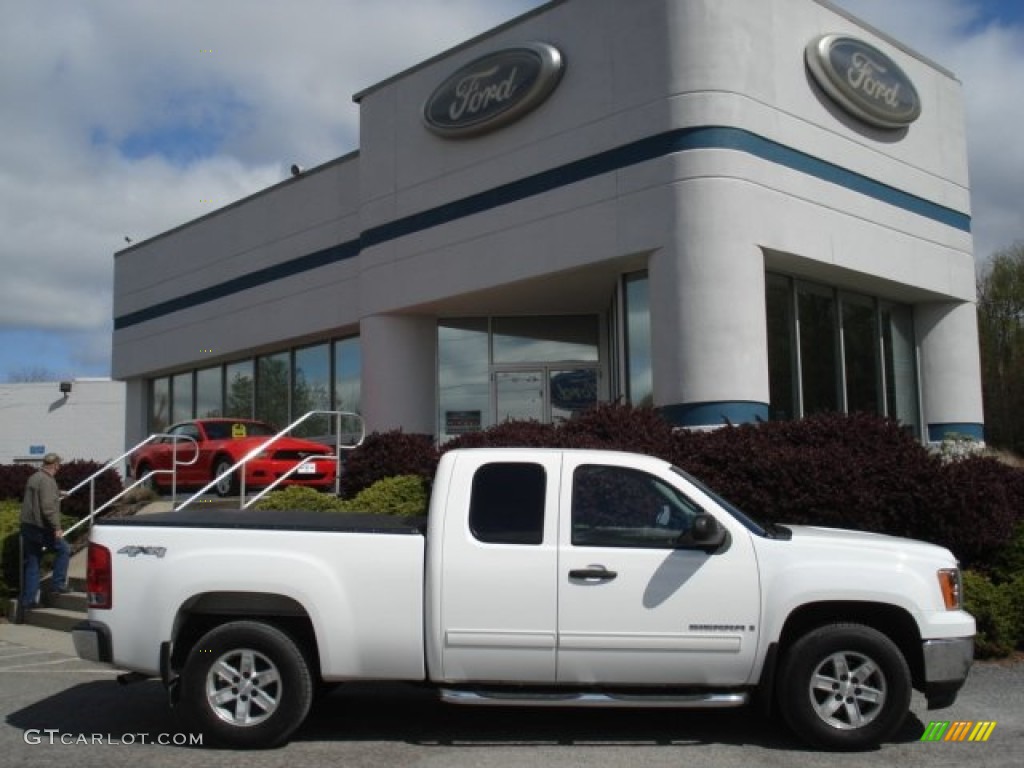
(132, 550)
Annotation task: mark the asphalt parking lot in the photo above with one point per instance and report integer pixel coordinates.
(61, 711)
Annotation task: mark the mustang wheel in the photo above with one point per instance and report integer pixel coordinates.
(227, 486)
(844, 686)
(247, 685)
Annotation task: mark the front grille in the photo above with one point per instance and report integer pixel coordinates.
(283, 455)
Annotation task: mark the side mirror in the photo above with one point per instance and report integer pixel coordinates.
(706, 533)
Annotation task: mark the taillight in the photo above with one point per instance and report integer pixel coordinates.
(952, 587)
(99, 577)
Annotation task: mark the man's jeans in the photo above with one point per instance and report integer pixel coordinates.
(34, 541)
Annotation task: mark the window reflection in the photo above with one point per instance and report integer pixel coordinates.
(209, 392)
(159, 405)
(861, 354)
(545, 339)
(639, 380)
(239, 399)
(818, 358)
(272, 385)
(463, 376)
(311, 389)
(181, 391)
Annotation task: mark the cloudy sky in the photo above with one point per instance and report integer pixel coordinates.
(125, 118)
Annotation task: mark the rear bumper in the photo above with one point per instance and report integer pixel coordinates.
(92, 642)
(946, 665)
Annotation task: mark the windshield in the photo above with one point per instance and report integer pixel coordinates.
(748, 522)
(224, 430)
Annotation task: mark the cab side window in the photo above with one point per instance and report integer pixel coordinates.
(622, 507)
(507, 503)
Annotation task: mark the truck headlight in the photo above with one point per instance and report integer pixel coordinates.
(952, 587)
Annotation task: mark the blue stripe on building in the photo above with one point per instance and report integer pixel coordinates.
(650, 148)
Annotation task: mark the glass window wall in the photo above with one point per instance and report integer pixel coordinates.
(835, 351)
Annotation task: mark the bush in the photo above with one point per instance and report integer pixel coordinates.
(14, 476)
(12, 480)
(388, 454)
(300, 497)
(405, 495)
(997, 609)
(10, 514)
(107, 486)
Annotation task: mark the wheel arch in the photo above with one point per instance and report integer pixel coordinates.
(891, 620)
(203, 612)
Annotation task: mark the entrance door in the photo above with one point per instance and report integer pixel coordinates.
(520, 395)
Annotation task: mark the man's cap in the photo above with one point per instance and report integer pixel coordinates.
(51, 458)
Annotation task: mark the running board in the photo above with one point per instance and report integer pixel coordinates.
(495, 698)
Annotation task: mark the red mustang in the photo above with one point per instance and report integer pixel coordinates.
(222, 443)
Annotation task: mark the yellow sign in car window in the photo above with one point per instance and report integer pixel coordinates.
(238, 430)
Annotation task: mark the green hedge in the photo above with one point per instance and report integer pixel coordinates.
(405, 495)
(998, 608)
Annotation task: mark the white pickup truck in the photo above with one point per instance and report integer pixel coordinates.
(542, 578)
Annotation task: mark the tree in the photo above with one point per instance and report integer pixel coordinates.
(33, 374)
(1001, 334)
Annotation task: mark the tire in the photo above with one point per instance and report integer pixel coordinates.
(247, 685)
(229, 485)
(844, 687)
(141, 471)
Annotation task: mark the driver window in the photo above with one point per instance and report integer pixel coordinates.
(621, 507)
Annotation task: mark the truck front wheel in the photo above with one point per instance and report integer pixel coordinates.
(247, 685)
(844, 687)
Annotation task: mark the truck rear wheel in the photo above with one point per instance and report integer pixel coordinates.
(844, 687)
(247, 685)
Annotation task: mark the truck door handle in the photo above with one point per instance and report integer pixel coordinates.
(596, 574)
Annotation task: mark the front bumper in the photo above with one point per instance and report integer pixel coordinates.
(92, 642)
(946, 664)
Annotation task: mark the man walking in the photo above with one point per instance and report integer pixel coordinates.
(41, 529)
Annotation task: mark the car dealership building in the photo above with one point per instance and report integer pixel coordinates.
(734, 210)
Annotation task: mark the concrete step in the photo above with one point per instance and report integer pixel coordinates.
(69, 601)
(53, 618)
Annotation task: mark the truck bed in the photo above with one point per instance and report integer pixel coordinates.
(276, 520)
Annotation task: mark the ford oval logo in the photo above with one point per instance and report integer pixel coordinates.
(864, 81)
(493, 90)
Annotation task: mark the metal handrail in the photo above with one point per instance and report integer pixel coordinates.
(91, 479)
(338, 447)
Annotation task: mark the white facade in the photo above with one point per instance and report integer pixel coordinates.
(85, 423)
(686, 141)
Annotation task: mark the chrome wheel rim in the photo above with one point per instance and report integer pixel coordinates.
(243, 687)
(224, 484)
(848, 690)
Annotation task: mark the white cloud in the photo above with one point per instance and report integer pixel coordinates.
(236, 92)
(231, 93)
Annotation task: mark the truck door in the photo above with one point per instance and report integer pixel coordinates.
(497, 608)
(636, 606)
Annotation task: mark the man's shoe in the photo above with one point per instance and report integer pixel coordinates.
(59, 590)
(29, 606)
